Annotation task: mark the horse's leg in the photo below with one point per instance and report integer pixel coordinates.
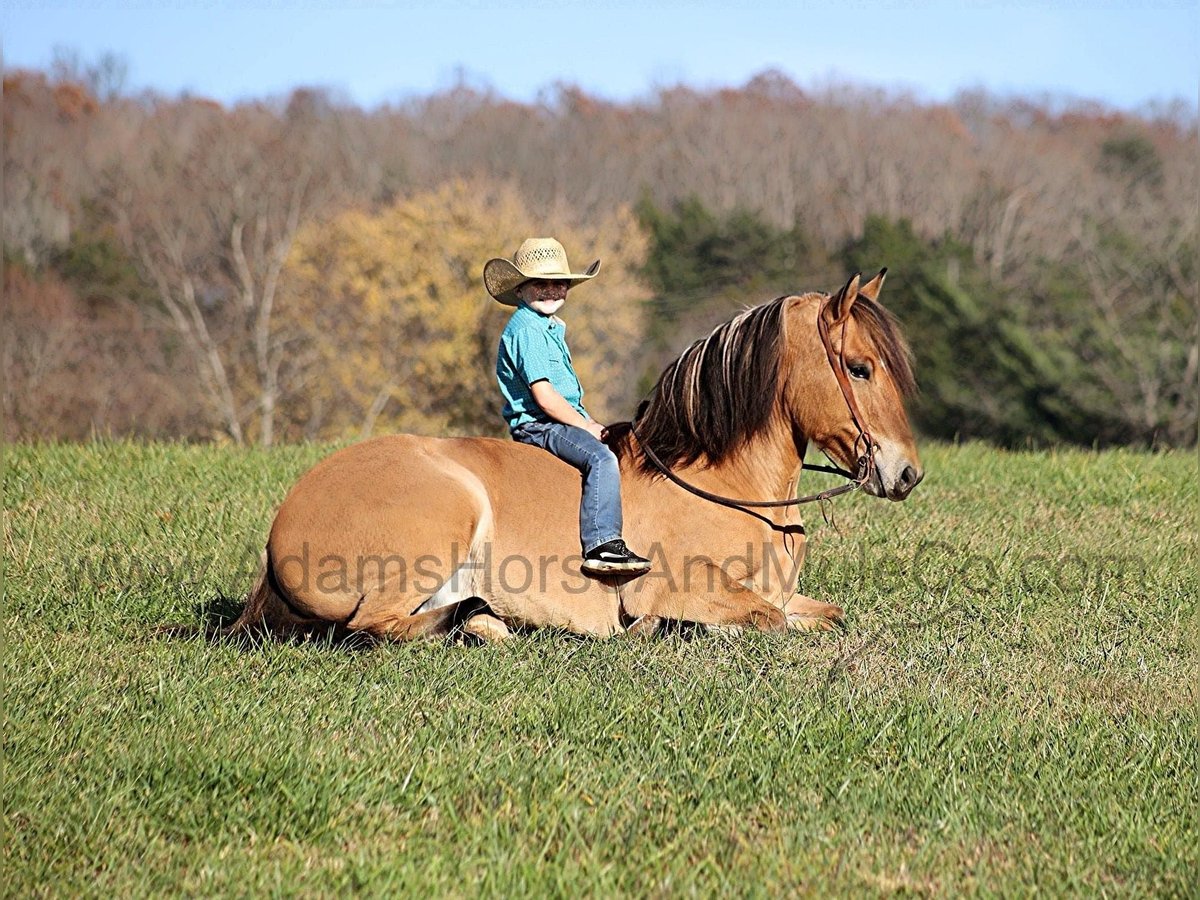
(388, 622)
(396, 610)
(807, 614)
(727, 603)
(645, 627)
(486, 628)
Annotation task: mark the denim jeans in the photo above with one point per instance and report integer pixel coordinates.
(600, 508)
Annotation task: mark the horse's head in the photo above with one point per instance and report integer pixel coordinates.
(849, 332)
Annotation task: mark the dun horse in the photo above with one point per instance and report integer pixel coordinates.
(403, 536)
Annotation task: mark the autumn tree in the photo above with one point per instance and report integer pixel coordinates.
(209, 209)
(75, 367)
(393, 305)
(49, 132)
(1136, 257)
(1077, 223)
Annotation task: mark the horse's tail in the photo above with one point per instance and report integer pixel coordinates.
(265, 614)
(256, 614)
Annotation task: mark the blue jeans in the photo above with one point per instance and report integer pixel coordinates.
(600, 508)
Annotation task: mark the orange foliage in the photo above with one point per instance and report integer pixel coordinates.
(74, 371)
(73, 101)
(393, 302)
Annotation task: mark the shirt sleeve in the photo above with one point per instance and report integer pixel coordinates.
(530, 355)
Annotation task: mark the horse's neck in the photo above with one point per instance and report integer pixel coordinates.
(766, 468)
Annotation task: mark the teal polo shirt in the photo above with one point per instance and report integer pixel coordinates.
(533, 347)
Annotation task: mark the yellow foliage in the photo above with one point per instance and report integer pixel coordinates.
(393, 305)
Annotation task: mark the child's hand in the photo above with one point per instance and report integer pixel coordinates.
(595, 429)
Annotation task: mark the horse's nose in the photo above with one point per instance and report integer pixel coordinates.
(909, 479)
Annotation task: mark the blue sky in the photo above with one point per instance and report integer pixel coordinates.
(1123, 54)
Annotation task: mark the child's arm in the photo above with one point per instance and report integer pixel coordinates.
(556, 407)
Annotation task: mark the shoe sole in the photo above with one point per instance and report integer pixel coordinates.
(608, 568)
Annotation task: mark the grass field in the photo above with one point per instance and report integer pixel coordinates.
(1011, 709)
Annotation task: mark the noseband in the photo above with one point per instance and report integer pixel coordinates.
(866, 461)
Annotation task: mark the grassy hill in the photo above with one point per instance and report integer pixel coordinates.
(1012, 707)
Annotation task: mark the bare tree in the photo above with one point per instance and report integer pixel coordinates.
(1139, 251)
(210, 212)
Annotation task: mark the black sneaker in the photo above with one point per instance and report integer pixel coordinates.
(614, 557)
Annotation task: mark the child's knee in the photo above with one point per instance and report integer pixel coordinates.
(607, 460)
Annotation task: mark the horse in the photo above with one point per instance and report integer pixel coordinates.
(404, 536)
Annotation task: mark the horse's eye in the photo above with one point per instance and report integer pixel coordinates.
(861, 371)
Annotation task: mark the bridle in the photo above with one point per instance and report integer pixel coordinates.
(866, 461)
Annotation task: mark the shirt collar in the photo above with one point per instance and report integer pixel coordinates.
(529, 313)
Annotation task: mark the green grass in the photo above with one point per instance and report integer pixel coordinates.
(1011, 710)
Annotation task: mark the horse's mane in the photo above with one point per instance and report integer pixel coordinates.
(721, 390)
(884, 332)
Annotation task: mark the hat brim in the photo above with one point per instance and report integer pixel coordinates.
(502, 278)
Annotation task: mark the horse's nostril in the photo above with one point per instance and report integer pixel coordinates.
(910, 477)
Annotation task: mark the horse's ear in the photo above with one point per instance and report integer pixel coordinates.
(841, 302)
(871, 289)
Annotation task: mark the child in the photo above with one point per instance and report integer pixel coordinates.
(543, 401)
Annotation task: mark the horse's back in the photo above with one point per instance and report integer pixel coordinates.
(411, 477)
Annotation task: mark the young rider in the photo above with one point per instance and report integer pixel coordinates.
(543, 400)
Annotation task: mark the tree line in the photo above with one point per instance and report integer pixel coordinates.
(304, 268)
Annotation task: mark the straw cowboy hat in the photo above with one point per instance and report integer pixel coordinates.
(535, 258)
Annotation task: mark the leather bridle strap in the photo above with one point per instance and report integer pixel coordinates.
(866, 462)
(735, 503)
(838, 364)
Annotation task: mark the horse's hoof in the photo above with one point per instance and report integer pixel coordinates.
(485, 629)
(646, 626)
(806, 614)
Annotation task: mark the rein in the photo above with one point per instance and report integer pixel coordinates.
(866, 462)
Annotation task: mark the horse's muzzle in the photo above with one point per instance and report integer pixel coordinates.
(880, 485)
(910, 476)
